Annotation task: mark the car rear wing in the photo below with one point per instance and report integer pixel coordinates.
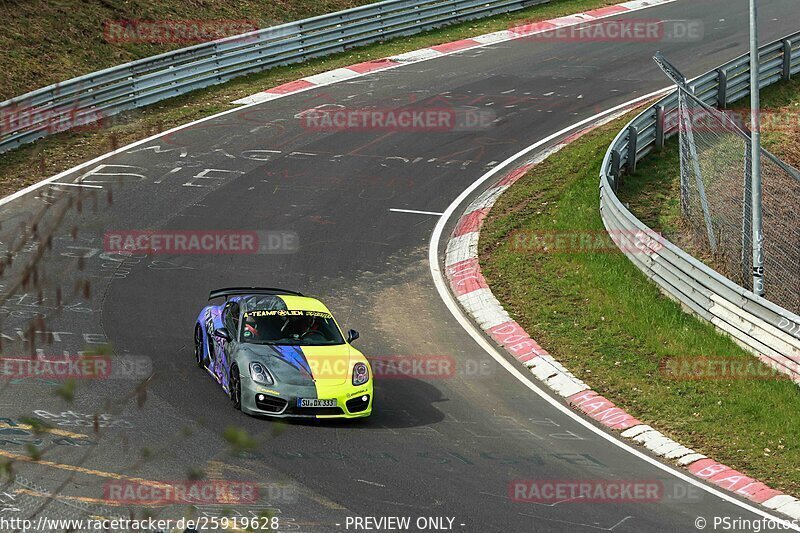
(239, 291)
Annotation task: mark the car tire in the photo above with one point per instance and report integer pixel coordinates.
(198, 345)
(235, 387)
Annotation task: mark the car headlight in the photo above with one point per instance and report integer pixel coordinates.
(360, 374)
(260, 374)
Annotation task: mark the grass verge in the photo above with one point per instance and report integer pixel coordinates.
(31, 163)
(599, 316)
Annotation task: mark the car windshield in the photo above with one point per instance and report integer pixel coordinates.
(281, 326)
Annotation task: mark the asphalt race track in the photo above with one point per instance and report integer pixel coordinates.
(447, 446)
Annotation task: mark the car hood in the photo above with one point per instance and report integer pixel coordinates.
(302, 365)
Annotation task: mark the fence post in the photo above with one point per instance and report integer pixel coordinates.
(688, 132)
(661, 115)
(683, 142)
(747, 220)
(722, 88)
(787, 59)
(633, 147)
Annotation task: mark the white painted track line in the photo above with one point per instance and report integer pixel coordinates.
(414, 211)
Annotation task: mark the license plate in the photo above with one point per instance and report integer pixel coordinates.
(315, 402)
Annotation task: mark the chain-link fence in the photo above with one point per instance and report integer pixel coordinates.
(716, 201)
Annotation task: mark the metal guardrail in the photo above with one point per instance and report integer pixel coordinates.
(139, 83)
(769, 331)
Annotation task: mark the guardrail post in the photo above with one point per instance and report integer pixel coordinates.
(633, 147)
(216, 62)
(722, 88)
(382, 19)
(615, 169)
(661, 117)
(787, 59)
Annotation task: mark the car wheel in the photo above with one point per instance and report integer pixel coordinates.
(235, 386)
(198, 346)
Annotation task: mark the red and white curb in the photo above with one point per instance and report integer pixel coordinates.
(468, 285)
(433, 52)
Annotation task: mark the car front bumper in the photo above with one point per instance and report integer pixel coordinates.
(282, 401)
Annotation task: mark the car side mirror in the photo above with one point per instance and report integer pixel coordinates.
(352, 335)
(223, 333)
